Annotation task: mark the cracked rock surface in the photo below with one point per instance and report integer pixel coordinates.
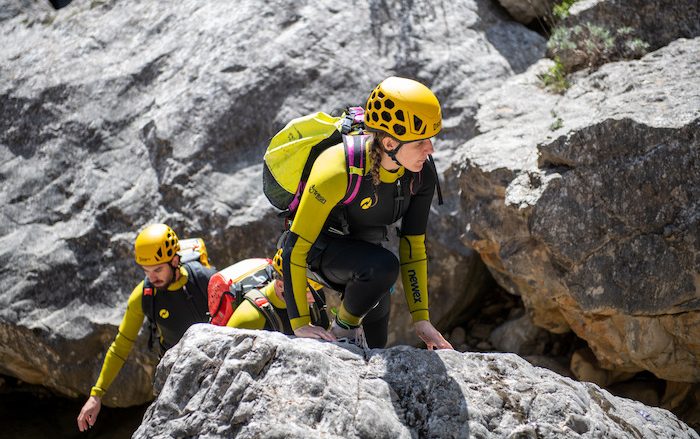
(586, 205)
(223, 382)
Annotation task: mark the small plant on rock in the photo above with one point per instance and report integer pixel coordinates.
(554, 78)
(561, 10)
(558, 121)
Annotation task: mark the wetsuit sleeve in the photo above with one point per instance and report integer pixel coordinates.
(412, 253)
(122, 344)
(325, 188)
(414, 274)
(247, 316)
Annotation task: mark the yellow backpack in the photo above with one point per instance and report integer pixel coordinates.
(193, 249)
(292, 152)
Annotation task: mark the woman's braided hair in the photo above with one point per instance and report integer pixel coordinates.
(375, 154)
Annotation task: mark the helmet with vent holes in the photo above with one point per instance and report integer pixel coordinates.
(156, 244)
(403, 108)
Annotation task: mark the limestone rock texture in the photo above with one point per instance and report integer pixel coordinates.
(114, 115)
(224, 382)
(583, 203)
(586, 205)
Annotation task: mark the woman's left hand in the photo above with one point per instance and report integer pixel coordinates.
(312, 331)
(431, 336)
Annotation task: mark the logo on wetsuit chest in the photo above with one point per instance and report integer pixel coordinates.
(317, 194)
(414, 285)
(368, 202)
(164, 313)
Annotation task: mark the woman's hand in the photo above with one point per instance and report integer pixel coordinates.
(431, 336)
(311, 331)
(88, 414)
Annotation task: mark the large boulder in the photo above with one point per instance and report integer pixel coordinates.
(114, 115)
(223, 382)
(586, 205)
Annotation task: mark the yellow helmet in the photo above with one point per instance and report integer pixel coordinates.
(156, 244)
(405, 109)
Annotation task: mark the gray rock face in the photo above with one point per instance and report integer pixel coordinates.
(586, 205)
(116, 115)
(655, 242)
(221, 382)
(519, 336)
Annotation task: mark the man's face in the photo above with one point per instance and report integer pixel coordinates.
(279, 291)
(160, 275)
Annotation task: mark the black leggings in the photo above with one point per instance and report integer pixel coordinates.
(364, 273)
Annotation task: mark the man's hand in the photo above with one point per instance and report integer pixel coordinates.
(88, 414)
(311, 331)
(431, 336)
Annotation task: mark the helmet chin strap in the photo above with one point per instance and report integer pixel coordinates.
(392, 153)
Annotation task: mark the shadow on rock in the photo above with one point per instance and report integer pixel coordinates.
(427, 400)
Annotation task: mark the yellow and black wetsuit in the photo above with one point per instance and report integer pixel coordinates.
(175, 312)
(343, 243)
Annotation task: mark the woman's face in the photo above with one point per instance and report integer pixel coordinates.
(413, 155)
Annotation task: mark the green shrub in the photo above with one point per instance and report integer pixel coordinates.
(561, 39)
(625, 30)
(590, 45)
(636, 47)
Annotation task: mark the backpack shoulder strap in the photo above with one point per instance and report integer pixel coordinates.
(260, 301)
(197, 276)
(148, 298)
(355, 162)
(354, 147)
